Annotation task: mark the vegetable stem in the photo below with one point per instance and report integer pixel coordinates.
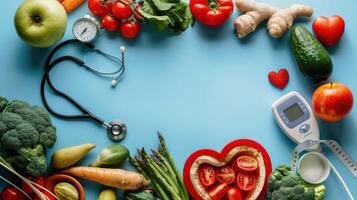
(172, 163)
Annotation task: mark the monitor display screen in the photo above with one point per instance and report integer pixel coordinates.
(294, 112)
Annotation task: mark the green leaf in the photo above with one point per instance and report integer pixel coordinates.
(148, 7)
(162, 5)
(160, 22)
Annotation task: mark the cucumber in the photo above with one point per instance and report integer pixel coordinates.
(312, 58)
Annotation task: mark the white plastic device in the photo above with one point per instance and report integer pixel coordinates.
(296, 118)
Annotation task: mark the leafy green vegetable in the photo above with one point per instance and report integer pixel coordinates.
(25, 131)
(283, 184)
(167, 14)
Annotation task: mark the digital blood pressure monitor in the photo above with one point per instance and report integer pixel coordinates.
(294, 115)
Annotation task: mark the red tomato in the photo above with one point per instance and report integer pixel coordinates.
(35, 197)
(234, 193)
(130, 29)
(332, 101)
(225, 175)
(100, 7)
(246, 163)
(217, 192)
(329, 30)
(122, 10)
(207, 175)
(110, 23)
(41, 180)
(211, 13)
(246, 181)
(11, 193)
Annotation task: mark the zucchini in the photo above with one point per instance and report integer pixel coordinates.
(312, 58)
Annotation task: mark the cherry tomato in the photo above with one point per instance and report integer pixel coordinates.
(100, 7)
(217, 192)
(110, 23)
(122, 10)
(246, 163)
(130, 29)
(207, 175)
(234, 193)
(11, 193)
(225, 175)
(50, 197)
(41, 180)
(212, 12)
(246, 181)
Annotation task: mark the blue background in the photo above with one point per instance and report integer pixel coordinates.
(201, 89)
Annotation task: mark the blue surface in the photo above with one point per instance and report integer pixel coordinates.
(201, 89)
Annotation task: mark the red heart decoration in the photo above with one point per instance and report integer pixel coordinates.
(221, 156)
(280, 79)
(329, 30)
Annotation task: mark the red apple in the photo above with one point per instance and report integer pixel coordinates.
(332, 101)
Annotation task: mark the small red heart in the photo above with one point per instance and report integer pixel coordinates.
(280, 79)
(329, 30)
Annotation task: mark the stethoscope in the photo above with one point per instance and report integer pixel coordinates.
(116, 130)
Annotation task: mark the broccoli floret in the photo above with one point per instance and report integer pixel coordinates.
(31, 160)
(25, 131)
(24, 135)
(283, 184)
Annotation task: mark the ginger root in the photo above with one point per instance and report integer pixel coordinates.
(280, 20)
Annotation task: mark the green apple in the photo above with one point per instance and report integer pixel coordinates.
(41, 23)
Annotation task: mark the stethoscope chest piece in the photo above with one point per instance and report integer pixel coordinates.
(116, 130)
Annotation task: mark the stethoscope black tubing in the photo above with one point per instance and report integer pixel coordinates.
(46, 78)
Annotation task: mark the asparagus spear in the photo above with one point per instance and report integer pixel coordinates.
(159, 175)
(163, 160)
(155, 185)
(168, 156)
(160, 170)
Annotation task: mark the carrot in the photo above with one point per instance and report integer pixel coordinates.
(70, 5)
(117, 178)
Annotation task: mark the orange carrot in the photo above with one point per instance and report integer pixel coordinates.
(71, 5)
(117, 178)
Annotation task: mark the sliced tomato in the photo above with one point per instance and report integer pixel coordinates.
(225, 174)
(246, 181)
(234, 193)
(218, 191)
(246, 163)
(207, 175)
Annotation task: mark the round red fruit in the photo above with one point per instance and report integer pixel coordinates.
(122, 10)
(234, 193)
(110, 23)
(217, 192)
(130, 29)
(332, 101)
(207, 175)
(11, 193)
(246, 181)
(246, 163)
(226, 174)
(100, 7)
